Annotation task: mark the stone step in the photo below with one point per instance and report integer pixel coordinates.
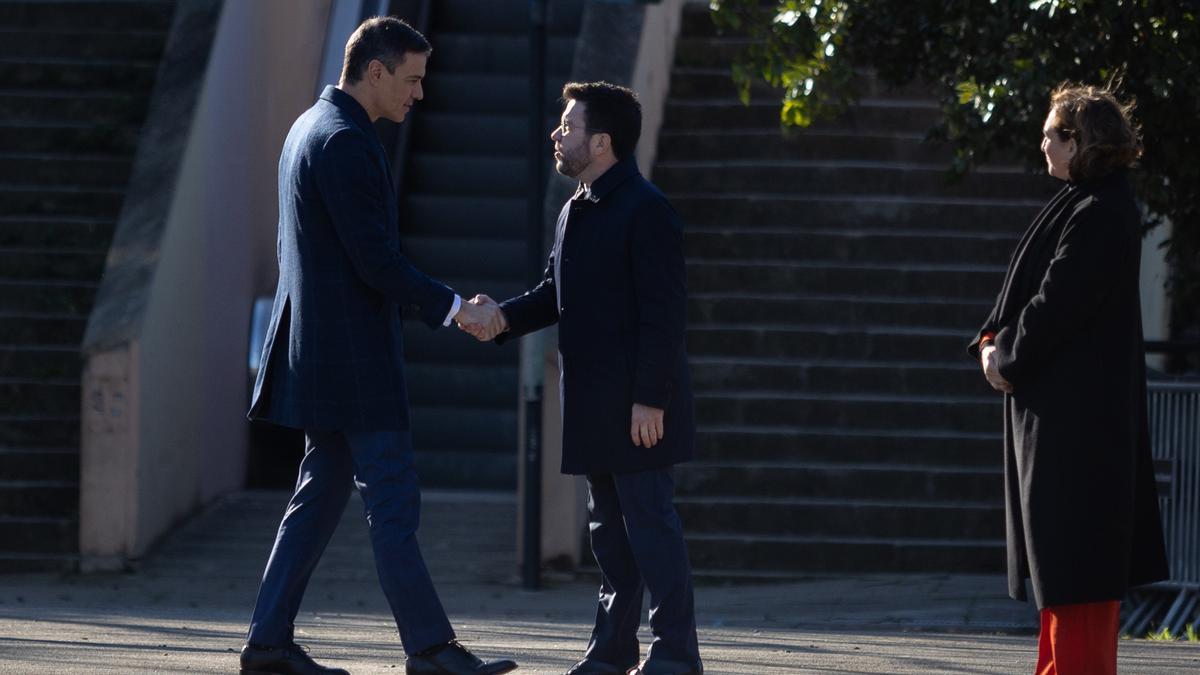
(40, 361)
(30, 137)
(467, 470)
(498, 54)
(40, 429)
(492, 258)
(489, 17)
(852, 411)
(38, 535)
(42, 200)
(849, 245)
(42, 327)
(455, 427)
(451, 216)
(52, 499)
(718, 54)
(25, 563)
(80, 43)
(43, 169)
(69, 233)
(52, 263)
(468, 133)
(144, 15)
(884, 310)
(117, 108)
(871, 115)
(696, 22)
(46, 295)
(447, 384)
(961, 282)
(838, 377)
(881, 344)
(813, 517)
(798, 556)
(828, 211)
(487, 94)
(716, 80)
(40, 464)
(800, 144)
(838, 481)
(86, 75)
(54, 396)
(467, 176)
(846, 178)
(823, 443)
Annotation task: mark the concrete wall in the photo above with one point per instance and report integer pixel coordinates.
(176, 366)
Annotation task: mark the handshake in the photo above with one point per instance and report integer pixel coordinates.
(482, 317)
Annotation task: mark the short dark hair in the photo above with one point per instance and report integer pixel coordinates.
(382, 38)
(1101, 125)
(611, 109)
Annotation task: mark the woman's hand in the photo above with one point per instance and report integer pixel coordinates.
(990, 370)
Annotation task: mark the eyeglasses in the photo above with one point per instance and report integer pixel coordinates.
(565, 128)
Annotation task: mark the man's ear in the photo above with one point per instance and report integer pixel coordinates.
(600, 143)
(374, 71)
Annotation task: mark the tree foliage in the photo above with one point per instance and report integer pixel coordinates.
(992, 64)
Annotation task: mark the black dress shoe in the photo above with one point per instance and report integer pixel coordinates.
(665, 667)
(289, 660)
(593, 667)
(454, 659)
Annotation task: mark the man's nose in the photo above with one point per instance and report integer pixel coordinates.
(556, 135)
(418, 92)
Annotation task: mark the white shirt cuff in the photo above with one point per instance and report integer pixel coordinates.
(453, 310)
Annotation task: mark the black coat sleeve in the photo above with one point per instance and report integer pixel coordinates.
(1090, 258)
(660, 292)
(534, 310)
(348, 180)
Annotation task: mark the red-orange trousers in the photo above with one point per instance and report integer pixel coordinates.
(1079, 639)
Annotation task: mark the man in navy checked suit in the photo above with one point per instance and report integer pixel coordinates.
(333, 358)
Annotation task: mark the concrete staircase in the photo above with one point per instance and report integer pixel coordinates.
(75, 78)
(835, 277)
(464, 219)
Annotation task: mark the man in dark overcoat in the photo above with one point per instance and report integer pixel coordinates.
(333, 361)
(1064, 342)
(615, 285)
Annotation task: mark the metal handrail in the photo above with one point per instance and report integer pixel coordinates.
(1174, 415)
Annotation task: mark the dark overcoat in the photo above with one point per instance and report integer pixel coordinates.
(616, 286)
(1082, 512)
(333, 357)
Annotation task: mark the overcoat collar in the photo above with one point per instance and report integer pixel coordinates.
(351, 107)
(618, 173)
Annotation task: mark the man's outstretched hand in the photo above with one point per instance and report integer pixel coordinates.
(482, 317)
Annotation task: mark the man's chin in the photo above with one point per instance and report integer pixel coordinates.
(564, 169)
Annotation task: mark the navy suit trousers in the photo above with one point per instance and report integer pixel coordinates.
(380, 465)
(638, 543)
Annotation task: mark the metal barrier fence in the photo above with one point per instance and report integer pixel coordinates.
(1174, 409)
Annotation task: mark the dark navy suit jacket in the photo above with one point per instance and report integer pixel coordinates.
(616, 286)
(333, 356)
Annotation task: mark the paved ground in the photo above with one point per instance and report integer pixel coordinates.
(185, 609)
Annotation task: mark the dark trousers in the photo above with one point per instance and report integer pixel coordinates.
(380, 465)
(638, 543)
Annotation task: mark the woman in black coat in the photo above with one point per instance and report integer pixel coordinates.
(1064, 344)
